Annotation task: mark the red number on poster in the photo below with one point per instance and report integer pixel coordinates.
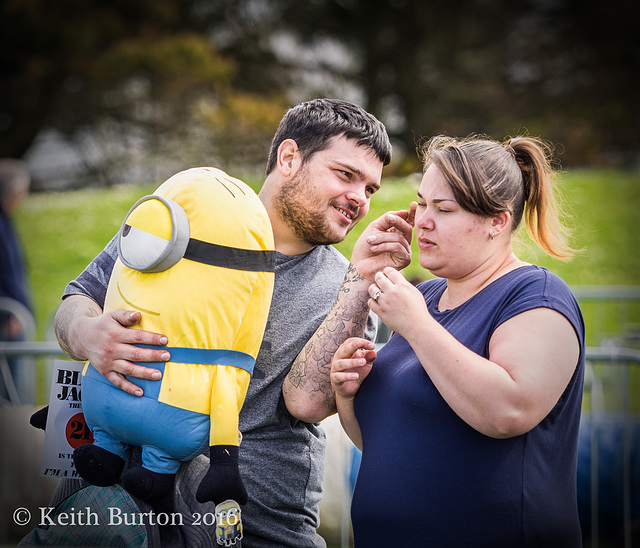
(77, 431)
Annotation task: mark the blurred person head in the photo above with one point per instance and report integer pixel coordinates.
(14, 184)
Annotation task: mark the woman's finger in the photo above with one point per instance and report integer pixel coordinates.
(346, 364)
(350, 346)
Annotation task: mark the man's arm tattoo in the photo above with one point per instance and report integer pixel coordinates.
(347, 318)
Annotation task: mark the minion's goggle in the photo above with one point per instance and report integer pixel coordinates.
(155, 236)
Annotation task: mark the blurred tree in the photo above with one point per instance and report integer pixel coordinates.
(49, 48)
(185, 82)
(126, 85)
(566, 69)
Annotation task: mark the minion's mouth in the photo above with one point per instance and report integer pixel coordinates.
(134, 305)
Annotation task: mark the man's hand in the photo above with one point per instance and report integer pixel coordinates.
(385, 242)
(85, 333)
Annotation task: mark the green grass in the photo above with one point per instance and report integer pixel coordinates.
(62, 232)
(603, 209)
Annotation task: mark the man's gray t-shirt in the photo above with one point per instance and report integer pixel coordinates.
(281, 458)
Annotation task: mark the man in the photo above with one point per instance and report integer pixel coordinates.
(325, 163)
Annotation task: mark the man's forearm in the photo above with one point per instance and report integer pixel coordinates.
(68, 311)
(307, 388)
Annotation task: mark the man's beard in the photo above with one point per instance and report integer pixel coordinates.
(303, 213)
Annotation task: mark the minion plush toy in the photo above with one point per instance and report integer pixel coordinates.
(196, 258)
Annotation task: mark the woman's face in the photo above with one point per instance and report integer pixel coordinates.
(452, 242)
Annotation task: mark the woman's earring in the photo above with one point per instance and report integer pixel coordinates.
(492, 235)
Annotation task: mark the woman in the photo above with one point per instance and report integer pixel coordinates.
(468, 419)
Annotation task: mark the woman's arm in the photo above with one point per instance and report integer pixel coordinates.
(350, 365)
(532, 358)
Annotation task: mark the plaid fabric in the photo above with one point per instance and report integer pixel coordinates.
(95, 516)
(78, 494)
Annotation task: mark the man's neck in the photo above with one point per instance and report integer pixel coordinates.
(286, 242)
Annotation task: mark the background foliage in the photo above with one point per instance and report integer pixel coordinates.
(138, 90)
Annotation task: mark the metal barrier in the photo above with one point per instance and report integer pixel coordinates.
(610, 430)
(612, 314)
(17, 378)
(609, 451)
(31, 348)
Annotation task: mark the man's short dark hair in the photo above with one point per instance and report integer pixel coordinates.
(314, 123)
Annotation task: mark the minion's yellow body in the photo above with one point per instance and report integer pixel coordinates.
(212, 304)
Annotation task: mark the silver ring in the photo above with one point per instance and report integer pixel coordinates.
(376, 295)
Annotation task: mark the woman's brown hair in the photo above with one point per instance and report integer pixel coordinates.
(488, 177)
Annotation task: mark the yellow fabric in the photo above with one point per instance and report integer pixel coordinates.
(153, 217)
(202, 306)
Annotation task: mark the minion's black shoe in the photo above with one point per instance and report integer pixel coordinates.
(146, 485)
(97, 465)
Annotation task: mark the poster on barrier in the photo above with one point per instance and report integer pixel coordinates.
(66, 426)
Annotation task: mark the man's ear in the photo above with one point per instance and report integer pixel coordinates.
(287, 155)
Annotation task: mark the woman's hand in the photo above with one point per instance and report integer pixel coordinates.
(397, 302)
(350, 366)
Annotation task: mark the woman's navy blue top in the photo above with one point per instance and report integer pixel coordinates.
(427, 478)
